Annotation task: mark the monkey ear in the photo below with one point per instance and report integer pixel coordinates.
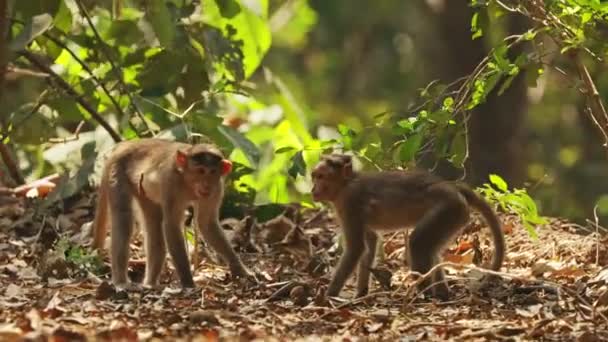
(226, 166)
(181, 159)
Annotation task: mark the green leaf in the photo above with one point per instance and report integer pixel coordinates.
(240, 141)
(228, 8)
(498, 182)
(158, 15)
(506, 84)
(33, 28)
(160, 73)
(298, 165)
(448, 104)
(458, 150)
(285, 149)
(409, 148)
(250, 28)
(63, 18)
(477, 31)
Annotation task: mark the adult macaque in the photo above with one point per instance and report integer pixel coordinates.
(367, 202)
(163, 177)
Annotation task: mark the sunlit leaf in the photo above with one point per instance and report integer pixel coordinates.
(240, 141)
(63, 18)
(498, 182)
(251, 29)
(285, 149)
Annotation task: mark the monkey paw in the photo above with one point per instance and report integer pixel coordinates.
(245, 273)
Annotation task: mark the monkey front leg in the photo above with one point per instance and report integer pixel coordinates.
(174, 240)
(212, 233)
(353, 250)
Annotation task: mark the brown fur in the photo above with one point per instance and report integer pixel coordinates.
(368, 202)
(150, 173)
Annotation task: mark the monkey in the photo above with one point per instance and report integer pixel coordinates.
(365, 203)
(162, 178)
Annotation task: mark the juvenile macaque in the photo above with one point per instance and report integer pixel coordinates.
(368, 202)
(163, 177)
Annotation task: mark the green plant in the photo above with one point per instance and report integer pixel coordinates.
(515, 201)
(79, 256)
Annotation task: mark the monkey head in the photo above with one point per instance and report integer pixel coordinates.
(202, 167)
(330, 176)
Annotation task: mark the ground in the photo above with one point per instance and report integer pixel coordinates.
(552, 288)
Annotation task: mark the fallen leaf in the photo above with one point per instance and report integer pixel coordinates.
(530, 311)
(13, 291)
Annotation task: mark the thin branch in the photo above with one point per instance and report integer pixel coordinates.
(26, 117)
(73, 137)
(72, 92)
(597, 110)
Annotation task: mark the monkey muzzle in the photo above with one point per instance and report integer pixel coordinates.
(202, 192)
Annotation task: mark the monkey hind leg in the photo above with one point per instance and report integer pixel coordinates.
(154, 241)
(428, 238)
(121, 209)
(366, 263)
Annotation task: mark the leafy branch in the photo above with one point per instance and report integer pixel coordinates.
(35, 60)
(568, 24)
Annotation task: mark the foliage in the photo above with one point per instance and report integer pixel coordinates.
(170, 69)
(218, 70)
(79, 256)
(514, 201)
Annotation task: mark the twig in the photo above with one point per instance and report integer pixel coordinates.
(73, 137)
(72, 92)
(26, 117)
(593, 96)
(597, 235)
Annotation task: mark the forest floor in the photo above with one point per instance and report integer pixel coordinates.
(554, 288)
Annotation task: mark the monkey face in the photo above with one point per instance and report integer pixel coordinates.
(329, 177)
(203, 172)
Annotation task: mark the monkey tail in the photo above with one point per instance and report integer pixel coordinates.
(491, 219)
(100, 224)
